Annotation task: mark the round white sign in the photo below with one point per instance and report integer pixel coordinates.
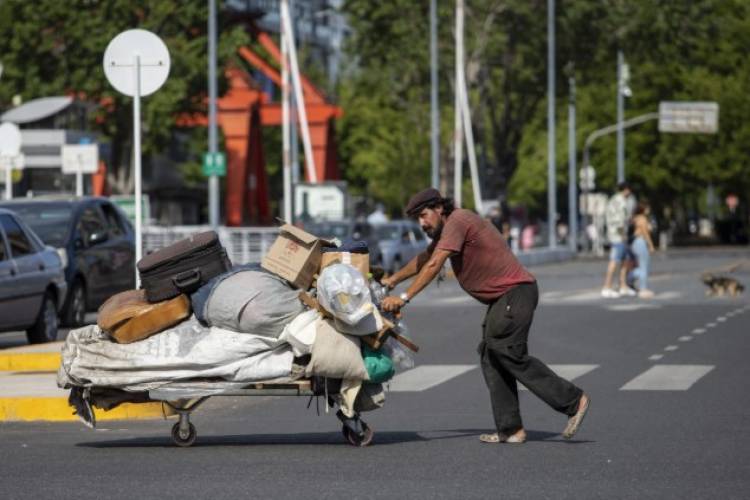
(120, 62)
(10, 139)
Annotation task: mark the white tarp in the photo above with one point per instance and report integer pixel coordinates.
(187, 351)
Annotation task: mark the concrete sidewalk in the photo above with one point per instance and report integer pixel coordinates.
(28, 389)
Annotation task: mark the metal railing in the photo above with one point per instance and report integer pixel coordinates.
(244, 245)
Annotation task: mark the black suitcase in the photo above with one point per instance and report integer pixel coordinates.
(182, 267)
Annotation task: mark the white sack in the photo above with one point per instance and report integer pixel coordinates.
(300, 333)
(187, 351)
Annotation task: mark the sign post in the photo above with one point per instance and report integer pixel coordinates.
(10, 157)
(136, 63)
(689, 117)
(214, 164)
(80, 159)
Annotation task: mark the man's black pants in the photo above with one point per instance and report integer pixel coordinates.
(505, 360)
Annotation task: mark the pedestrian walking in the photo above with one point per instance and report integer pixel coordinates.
(488, 271)
(617, 217)
(642, 247)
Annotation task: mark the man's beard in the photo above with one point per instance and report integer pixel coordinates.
(435, 232)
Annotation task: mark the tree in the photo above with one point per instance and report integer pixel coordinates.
(56, 48)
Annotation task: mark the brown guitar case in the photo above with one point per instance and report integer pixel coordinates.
(128, 316)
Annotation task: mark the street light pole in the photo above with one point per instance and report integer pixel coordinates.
(620, 117)
(551, 184)
(213, 182)
(457, 121)
(435, 135)
(572, 191)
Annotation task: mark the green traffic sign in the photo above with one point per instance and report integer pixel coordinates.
(214, 164)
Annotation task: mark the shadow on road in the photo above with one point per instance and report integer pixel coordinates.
(318, 439)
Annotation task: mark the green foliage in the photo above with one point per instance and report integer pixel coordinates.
(50, 48)
(677, 51)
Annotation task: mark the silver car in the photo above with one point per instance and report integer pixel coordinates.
(399, 241)
(32, 281)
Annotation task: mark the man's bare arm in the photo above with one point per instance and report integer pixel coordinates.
(409, 270)
(427, 273)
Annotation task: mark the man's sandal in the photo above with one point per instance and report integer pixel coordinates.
(574, 422)
(502, 438)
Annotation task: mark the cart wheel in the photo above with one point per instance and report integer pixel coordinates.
(354, 439)
(186, 441)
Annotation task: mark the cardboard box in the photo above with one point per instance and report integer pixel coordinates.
(361, 261)
(295, 256)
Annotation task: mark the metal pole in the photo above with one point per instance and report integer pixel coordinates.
(286, 157)
(435, 135)
(213, 181)
(457, 130)
(137, 164)
(8, 178)
(79, 180)
(620, 116)
(470, 153)
(551, 185)
(572, 191)
(309, 159)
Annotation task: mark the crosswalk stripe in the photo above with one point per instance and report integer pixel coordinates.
(668, 378)
(568, 372)
(631, 307)
(424, 377)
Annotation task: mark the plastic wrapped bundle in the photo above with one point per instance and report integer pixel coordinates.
(344, 292)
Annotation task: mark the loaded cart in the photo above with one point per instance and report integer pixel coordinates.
(184, 397)
(303, 323)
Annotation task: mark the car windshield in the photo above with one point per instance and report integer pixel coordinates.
(340, 230)
(388, 232)
(49, 222)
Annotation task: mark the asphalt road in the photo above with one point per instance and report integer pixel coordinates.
(669, 413)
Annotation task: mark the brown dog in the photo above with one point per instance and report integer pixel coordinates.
(721, 285)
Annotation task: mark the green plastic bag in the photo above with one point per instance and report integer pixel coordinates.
(379, 365)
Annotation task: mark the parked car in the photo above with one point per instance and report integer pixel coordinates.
(95, 241)
(400, 241)
(32, 281)
(347, 230)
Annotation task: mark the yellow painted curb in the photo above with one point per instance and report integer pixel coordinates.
(58, 410)
(30, 362)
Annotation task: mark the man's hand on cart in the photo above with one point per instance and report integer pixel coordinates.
(388, 282)
(392, 304)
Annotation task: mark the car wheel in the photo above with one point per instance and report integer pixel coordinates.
(45, 328)
(75, 309)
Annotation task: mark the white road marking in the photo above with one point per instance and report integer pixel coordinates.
(671, 348)
(668, 378)
(721, 319)
(685, 338)
(668, 295)
(446, 301)
(710, 325)
(631, 307)
(568, 372)
(656, 357)
(698, 331)
(425, 377)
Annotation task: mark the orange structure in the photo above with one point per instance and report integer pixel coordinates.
(241, 113)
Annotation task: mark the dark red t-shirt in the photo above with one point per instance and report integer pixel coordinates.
(482, 262)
